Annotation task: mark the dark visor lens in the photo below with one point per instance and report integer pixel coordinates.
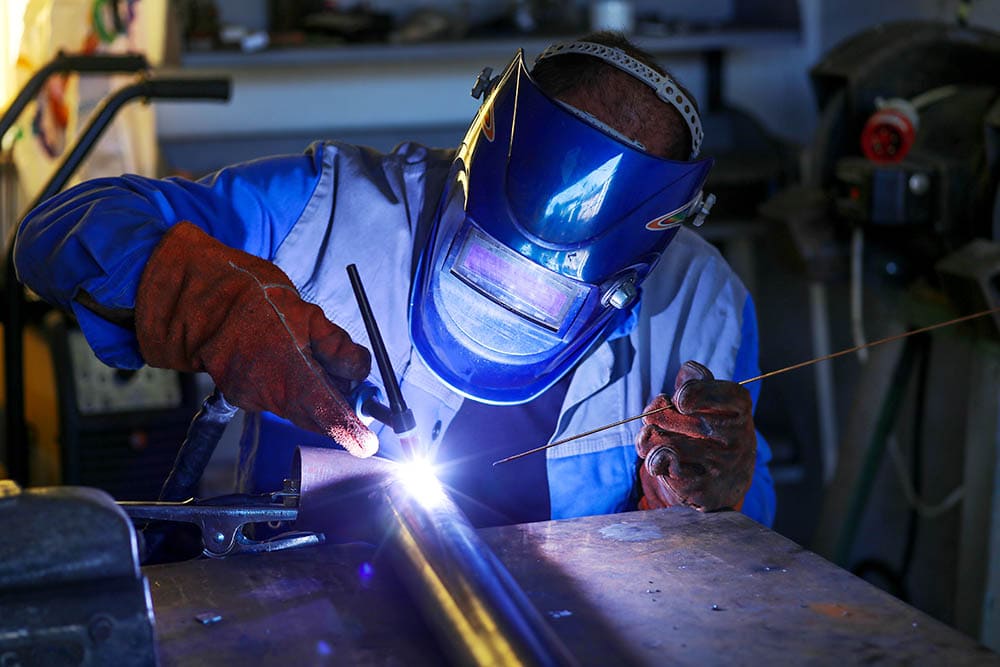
(510, 280)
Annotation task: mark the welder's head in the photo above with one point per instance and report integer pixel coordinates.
(568, 186)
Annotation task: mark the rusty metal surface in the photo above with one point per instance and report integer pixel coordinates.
(682, 588)
(644, 588)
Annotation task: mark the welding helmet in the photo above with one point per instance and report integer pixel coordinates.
(548, 224)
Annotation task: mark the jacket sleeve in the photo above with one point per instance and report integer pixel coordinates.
(97, 236)
(760, 501)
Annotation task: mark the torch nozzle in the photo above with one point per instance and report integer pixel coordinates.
(410, 442)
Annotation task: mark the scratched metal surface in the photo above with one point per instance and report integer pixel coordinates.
(682, 588)
(644, 588)
(320, 605)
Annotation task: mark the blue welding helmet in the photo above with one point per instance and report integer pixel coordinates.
(549, 223)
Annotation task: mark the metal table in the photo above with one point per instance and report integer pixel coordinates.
(643, 588)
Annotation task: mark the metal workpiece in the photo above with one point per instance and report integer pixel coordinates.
(476, 609)
(661, 587)
(71, 591)
(482, 615)
(339, 494)
(681, 587)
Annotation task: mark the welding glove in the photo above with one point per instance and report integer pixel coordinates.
(203, 306)
(701, 450)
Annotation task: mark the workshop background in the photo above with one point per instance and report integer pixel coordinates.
(885, 460)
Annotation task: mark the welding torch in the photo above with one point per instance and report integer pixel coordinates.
(365, 397)
(366, 400)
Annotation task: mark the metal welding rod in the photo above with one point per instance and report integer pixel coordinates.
(803, 364)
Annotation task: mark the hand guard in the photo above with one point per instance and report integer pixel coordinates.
(203, 306)
(701, 451)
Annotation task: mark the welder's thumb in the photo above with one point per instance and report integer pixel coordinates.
(699, 446)
(203, 306)
(689, 371)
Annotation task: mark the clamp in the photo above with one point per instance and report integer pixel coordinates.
(223, 520)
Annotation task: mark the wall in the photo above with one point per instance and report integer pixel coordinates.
(278, 106)
(429, 98)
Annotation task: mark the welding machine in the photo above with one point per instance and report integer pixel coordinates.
(910, 139)
(119, 430)
(93, 425)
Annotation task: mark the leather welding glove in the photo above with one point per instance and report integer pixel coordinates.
(203, 306)
(700, 451)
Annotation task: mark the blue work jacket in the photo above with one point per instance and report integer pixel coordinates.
(338, 204)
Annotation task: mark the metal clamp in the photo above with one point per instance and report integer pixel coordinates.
(222, 521)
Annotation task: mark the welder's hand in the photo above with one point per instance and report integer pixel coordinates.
(700, 452)
(203, 306)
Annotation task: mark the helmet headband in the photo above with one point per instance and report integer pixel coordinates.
(665, 88)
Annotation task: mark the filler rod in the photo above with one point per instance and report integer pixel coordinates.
(669, 405)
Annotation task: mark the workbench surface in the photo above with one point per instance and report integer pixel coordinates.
(643, 588)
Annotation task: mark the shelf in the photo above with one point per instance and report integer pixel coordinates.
(480, 50)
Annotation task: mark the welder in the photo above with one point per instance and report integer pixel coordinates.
(534, 283)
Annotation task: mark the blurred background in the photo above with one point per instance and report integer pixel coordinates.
(857, 147)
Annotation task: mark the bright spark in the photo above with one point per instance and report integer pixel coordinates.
(420, 479)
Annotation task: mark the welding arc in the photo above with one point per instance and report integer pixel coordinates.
(669, 405)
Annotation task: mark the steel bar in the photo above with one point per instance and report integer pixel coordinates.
(468, 598)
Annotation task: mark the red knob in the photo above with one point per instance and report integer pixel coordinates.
(889, 133)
